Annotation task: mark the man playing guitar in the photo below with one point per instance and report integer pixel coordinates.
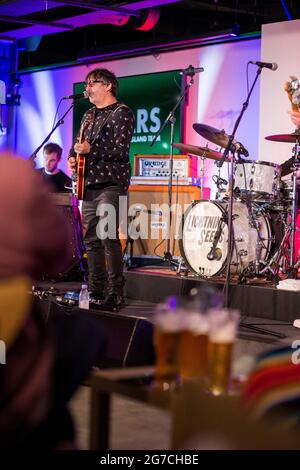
(106, 132)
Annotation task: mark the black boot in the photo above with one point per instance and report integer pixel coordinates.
(114, 299)
(97, 276)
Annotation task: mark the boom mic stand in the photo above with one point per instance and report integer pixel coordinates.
(59, 122)
(171, 118)
(231, 148)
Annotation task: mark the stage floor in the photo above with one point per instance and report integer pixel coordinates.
(147, 286)
(267, 314)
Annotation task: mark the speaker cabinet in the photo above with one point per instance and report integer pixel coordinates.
(149, 215)
(74, 260)
(126, 341)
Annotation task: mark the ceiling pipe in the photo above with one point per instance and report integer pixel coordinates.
(104, 15)
(95, 6)
(223, 9)
(29, 21)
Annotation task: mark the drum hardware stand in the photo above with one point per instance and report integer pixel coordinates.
(182, 268)
(129, 242)
(280, 253)
(219, 182)
(202, 172)
(287, 245)
(296, 165)
(168, 256)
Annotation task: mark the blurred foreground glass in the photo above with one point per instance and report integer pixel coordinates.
(194, 346)
(167, 330)
(223, 326)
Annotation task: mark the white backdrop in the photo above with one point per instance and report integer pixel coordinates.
(280, 43)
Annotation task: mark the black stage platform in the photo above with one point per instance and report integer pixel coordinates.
(129, 331)
(154, 285)
(261, 301)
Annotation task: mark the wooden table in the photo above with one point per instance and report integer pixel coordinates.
(196, 414)
(127, 382)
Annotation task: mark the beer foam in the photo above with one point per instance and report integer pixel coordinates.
(223, 333)
(196, 323)
(170, 321)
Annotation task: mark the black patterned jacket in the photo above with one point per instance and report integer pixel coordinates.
(109, 131)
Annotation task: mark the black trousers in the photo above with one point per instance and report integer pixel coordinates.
(100, 211)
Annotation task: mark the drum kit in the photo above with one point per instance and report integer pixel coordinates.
(265, 240)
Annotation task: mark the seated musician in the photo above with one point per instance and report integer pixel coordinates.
(59, 181)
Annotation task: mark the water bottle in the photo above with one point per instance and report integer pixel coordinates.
(84, 301)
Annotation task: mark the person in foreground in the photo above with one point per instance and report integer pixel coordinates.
(43, 360)
(107, 130)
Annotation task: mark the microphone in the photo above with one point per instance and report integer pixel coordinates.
(211, 255)
(219, 181)
(267, 65)
(214, 254)
(240, 148)
(191, 70)
(77, 96)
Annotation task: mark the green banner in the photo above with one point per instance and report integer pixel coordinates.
(151, 97)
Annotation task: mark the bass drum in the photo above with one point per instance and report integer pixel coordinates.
(201, 221)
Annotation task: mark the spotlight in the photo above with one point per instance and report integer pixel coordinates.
(148, 20)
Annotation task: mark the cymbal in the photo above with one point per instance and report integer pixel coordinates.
(212, 134)
(200, 151)
(289, 138)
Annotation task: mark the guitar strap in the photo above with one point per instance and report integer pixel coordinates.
(110, 115)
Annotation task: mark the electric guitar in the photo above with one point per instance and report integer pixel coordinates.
(80, 171)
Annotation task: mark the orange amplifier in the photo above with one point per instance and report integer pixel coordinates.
(184, 166)
(150, 204)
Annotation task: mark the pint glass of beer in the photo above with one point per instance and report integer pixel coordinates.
(167, 331)
(223, 325)
(194, 346)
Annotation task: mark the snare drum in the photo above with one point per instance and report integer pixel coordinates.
(257, 180)
(200, 223)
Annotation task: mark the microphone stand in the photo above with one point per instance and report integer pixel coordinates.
(230, 148)
(171, 118)
(59, 122)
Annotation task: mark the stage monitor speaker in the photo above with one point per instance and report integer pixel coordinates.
(127, 339)
(74, 261)
(149, 205)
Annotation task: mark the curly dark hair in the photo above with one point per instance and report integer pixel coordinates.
(107, 77)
